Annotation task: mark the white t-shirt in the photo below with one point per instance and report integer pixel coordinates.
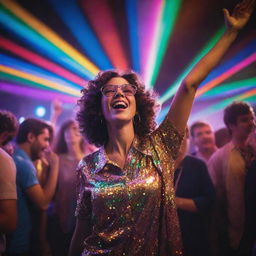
(7, 184)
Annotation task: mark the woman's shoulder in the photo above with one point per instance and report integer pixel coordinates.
(94, 156)
(92, 162)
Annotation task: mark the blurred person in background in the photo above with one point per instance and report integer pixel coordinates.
(195, 196)
(203, 139)
(32, 141)
(232, 169)
(40, 243)
(222, 137)
(71, 148)
(8, 194)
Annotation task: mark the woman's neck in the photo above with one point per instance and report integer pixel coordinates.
(74, 151)
(120, 139)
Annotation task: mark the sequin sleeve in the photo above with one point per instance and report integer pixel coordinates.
(83, 208)
(166, 141)
(166, 137)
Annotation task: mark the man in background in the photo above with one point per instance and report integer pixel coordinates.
(8, 195)
(32, 141)
(203, 139)
(195, 196)
(233, 172)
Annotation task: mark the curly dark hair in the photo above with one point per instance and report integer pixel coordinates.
(8, 123)
(90, 118)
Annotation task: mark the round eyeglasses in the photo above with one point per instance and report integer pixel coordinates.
(111, 89)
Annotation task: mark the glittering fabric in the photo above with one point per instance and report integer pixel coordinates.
(132, 210)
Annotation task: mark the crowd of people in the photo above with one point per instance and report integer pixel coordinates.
(113, 183)
(213, 195)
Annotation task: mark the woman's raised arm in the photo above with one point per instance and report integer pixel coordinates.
(183, 100)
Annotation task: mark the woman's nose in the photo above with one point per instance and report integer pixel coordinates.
(119, 92)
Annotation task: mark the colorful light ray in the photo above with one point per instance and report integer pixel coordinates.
(34, 70)
(246, 62)
(153, 50)
(229, 89)
(173, 88)
(149, 13)
(49, 34)
(35, 93)
(73, 18)
(38, 80)
(41, 44)
(104, 26)
(213, 74)
(169, 14)
(131, 13)
(39, 61)
(248, 96)
(246, 51)
(28, 83)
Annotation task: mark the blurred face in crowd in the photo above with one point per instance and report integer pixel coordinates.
(204, 138)
(245, 124)
(72, 134)
(39, 143)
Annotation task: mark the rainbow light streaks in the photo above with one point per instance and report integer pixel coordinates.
(38, 80)
(131, 12)
(49, 35)
(244, 63)
(249, 96)
(36, 71)
(35, 93)
(105, 29)
(166, 21)
(39, 61)
(39, 43)
(73, 18)
(230, 89)
(37, 56)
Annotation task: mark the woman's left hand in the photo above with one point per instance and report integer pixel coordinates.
(240, 15)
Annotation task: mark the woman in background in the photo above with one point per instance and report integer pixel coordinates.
(71, 148)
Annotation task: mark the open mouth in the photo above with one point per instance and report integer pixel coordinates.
(119, 105)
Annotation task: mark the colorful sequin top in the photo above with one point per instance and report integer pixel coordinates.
(132, 210)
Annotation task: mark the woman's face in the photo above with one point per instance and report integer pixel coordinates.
(119, 107)
(72, 134)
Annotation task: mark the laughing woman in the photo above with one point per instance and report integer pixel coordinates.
(126, 198)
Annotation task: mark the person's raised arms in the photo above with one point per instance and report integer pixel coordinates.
(183, 100)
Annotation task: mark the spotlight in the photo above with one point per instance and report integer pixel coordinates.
(40, 111)
(21, 119)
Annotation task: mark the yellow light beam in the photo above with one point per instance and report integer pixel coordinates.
(39, 80)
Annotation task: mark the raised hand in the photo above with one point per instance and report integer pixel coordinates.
(57, 107)
(240, 14)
